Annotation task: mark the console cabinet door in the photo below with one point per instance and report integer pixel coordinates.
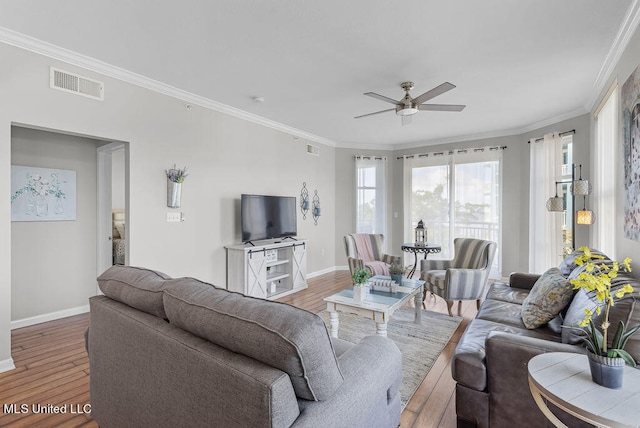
(256, 275)
(299, 266)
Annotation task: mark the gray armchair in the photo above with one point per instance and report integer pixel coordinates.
(371, 257)
(465, 276)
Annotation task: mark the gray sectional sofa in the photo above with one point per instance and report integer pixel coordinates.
(179, 352)
(490, 361)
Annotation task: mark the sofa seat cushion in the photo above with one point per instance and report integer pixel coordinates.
(505, 293)
(551, 293)
(469, 364)
(282, 336)
(136, 287)
(435, 280)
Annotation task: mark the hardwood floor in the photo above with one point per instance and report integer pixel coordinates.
(52, 368)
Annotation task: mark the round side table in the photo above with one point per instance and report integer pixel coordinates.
(419, 249)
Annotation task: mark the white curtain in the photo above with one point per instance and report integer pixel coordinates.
(604, 177)
(545, 228)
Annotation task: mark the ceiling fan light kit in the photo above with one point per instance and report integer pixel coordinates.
(406, 111)
(409, 106)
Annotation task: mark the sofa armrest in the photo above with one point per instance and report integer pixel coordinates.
(465, 284)
(523, 280)
(369, 395)
(507, 356)
(427, 265)
(391, 260)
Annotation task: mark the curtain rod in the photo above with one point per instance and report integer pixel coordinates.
(383, 158)
(562, 134)
(453, 151)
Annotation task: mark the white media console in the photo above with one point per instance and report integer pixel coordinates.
(268, 269)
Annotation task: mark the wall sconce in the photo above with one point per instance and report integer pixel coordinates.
(316, 207)
(585, 216)
(304, 200)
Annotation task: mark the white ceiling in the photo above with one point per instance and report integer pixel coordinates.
(516, 64)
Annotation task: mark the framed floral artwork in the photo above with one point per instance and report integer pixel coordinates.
(42, 194)
(630, 103)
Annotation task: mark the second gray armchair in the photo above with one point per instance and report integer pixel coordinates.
(465, 276)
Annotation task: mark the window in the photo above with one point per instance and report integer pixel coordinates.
(455, 195)
(565, 177)
(370, 194)
(604, 167)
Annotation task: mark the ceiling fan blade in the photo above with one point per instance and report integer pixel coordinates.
(371, 114)
(381, 97)
(406, 120)
(438, 90)
(441, 107)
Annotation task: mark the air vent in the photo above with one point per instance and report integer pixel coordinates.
(69, 82)
(313, 150)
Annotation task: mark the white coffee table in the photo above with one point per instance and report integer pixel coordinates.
(378, 305)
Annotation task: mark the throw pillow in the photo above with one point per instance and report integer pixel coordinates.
(568, 265)
(575, 314)
(549, 295)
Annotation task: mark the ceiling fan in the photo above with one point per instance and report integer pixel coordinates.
(408, 106)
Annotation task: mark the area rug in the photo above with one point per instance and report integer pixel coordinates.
(420, 344)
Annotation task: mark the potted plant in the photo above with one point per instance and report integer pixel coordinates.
(175, 178)
(397, 272)
(360, 277)
(606, 362)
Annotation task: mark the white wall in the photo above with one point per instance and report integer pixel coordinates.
(226, 156)
(53, 263)
(628, 62)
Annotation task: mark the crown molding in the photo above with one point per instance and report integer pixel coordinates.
(626, 31)
(492, 134)
(49, 50)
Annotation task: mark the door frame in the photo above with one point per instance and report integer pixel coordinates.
(105, 206)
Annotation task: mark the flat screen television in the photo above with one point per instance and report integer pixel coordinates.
(268, 217)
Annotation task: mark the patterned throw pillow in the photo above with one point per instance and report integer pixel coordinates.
(549, 295)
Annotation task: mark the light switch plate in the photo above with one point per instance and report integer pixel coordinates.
(174, 217)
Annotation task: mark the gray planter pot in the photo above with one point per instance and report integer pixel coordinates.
(174, 194)
(398, 278)
(606, 371)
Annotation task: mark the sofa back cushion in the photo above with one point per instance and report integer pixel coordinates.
(136, 287)
(283, 336)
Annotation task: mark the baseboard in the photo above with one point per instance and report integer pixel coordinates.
(6, 365)
(25, 322)
(327, 270)
(321, 272)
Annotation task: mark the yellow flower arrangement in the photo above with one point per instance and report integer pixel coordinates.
(597, 277)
